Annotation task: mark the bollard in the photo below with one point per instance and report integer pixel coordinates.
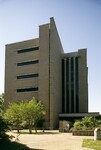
(97, 134)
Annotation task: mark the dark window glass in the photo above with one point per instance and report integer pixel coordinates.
(28, 63)
(28, 89)
(28, 50)
(67, 84)
(72, 70)
(63, 92)
(27, 76)
(77, 85)
(72, 85)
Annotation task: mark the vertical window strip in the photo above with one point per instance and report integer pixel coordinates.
(67, 84)
(72, 85)
(63, 93)
(77, 85)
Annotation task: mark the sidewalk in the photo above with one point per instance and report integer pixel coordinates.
(54, 141)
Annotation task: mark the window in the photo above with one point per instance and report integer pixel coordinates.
(63, 91)
(27, 76)
(28, 50)
(72, 85)
(28, 63)
(77, 84)
(28, 89)
(67, 84)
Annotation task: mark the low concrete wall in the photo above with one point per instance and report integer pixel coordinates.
(64, 130)
(83, 133)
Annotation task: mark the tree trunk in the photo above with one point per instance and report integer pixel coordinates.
(35, 129)
(30, 129)
(18, 131)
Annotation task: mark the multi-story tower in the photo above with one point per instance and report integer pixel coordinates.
(33, 69)
(75, 82)
(39, 68)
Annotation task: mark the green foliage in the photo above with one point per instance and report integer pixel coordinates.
(78, 125)
(90, 143)
(1, 103)
(14, 115)
(3, 127)
(33, 112)
(87, 123)
(99, 124)
(27, 113)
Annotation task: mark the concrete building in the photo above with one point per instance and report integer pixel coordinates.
(39, 68)
(75, 82)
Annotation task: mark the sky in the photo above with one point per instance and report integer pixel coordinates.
(79, 26)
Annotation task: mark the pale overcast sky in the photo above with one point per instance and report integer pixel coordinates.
(79, 26)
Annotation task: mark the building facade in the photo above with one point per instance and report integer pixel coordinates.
(39, 68)
(75, 82)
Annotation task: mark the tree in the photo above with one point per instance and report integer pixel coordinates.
(33, 113)
(1, 103)
(30, 113)
(14, 115)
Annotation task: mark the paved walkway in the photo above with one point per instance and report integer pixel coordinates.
(54, 141)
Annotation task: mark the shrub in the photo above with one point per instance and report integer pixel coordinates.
(87, 123)
(3, 127)
(78, 125)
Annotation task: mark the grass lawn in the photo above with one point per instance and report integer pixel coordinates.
(33, 132)
(90, 143)
(27, 131)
